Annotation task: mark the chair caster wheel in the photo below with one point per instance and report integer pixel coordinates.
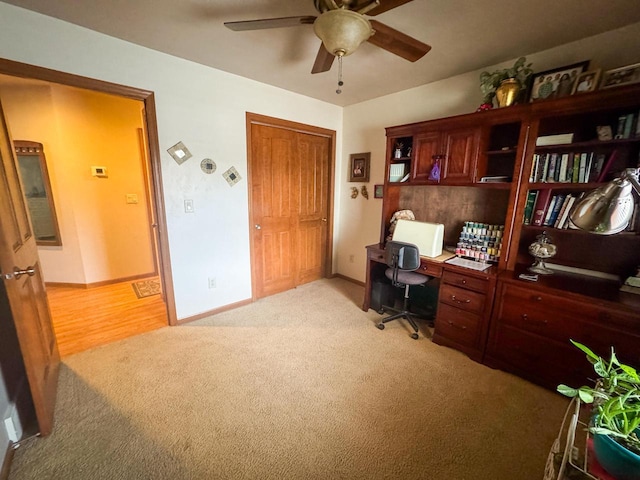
(381, 311)
(380, 326)
(414, 336)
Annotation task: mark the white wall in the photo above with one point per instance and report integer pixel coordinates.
(364, 125)
(203, 107)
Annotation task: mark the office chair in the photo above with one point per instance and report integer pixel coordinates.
(403, 259)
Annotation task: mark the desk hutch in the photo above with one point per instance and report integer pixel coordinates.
(493, 316)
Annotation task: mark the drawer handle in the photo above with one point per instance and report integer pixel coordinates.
(462, 282)
(525, 317)
(537, 298)
(453, 297)
(461, 327)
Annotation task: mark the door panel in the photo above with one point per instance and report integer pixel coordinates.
(272, 200)
(313, 206)
(26, 294)
(461, 154)
(427, 146)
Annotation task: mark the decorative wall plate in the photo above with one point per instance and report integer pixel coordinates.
(232, 176)
(208, 166)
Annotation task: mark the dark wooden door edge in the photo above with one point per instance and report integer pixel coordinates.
(6, 463)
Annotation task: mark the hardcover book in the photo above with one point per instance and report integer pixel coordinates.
(540, 207)
(528, 208)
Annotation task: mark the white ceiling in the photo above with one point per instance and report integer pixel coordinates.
(466, 35)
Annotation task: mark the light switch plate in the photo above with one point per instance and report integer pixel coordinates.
(188, 206)
(132, 198)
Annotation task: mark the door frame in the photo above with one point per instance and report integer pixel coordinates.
(18, 69)
(257, 119)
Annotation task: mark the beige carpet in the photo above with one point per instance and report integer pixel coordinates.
(297, 386)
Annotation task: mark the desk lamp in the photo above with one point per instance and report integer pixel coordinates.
(608, 209)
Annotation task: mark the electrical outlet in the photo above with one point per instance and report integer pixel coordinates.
(352, 258)
(188, 206)
(212, 282)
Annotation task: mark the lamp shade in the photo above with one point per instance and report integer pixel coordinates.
(606, 210)
(342, 31)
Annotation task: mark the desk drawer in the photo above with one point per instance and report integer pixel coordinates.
(465, 281)
(457, 325)
(461, 298)
(430, 268)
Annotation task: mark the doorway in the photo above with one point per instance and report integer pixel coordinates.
(97, 298)
(291, 173)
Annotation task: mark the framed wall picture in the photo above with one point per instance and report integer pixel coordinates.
(587, 81)
(621, 76)
(557, 82)
(378, 191)
(359, 165)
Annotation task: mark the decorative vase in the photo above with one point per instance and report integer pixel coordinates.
(507, 92)
(542, 249)
(617, 460)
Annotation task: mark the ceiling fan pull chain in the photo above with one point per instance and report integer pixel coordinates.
(340, 82)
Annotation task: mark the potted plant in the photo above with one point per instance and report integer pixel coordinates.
(516, 77)
(615, 422)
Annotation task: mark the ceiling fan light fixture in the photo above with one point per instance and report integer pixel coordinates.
(342, 31)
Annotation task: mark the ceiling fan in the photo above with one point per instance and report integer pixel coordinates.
(342, 27)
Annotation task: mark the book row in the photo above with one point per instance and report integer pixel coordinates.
(545, 209)
(571, 167)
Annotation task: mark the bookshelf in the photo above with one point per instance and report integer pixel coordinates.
(487, 178)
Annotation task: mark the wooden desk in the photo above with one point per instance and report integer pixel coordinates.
(376, 256)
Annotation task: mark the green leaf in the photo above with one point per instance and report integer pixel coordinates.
(585, 396)
(586, 350)
(567, 391)
(600, 369)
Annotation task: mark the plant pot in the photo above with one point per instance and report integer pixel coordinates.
(507, 92)
(617, 460)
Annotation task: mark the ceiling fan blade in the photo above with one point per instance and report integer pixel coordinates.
(397, 42)
(324, 60)
(269, 23)
(386, 5)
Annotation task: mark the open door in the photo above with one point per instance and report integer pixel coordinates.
(21, 273)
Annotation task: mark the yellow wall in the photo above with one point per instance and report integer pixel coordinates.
(103, 237)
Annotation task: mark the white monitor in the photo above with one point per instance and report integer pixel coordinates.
(428, 237)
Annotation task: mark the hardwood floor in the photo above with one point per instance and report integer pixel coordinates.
(87, 318)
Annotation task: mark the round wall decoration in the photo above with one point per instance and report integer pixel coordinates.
(208, 166)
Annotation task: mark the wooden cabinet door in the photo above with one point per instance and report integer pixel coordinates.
(426, 146)
(461, 154)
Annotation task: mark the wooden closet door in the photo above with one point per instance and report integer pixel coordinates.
(289, 174)
(274, 209)
(312, 178)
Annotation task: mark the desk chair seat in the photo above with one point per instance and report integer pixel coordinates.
(403, 259)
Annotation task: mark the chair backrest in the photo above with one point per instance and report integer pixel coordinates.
(403, 256)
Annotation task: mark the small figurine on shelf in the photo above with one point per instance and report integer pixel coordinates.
(434, 174)
(398, 151)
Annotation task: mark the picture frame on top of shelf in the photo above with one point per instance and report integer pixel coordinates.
(359, 167)
(587, 81)
(557, 82)
(621, 76)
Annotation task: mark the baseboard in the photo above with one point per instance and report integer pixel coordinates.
(6, 462)
(100, 284)
(348, 279)
(215, 311)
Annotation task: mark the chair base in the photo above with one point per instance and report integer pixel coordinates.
(411, 318)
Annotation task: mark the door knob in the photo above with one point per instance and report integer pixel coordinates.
(257, 226)
(17, 273)
(324, 219)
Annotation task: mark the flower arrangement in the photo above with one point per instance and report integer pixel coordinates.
(490, 81)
